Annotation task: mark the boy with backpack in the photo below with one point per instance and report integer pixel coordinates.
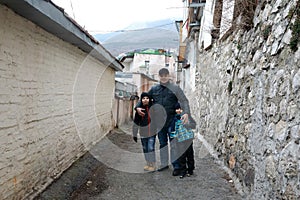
(184, 136)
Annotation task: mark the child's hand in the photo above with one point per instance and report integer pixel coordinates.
(140, 111)
(134, 138)
(185, 118)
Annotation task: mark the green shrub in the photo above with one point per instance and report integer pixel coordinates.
(295, 27)
(266, 32)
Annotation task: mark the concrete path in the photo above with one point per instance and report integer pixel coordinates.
(113, 169)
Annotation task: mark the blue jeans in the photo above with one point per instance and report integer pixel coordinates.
(149, 148)
(163, 137)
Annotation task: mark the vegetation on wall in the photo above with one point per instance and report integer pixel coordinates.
(243, 15)
(295, 27)
(217, 19)
(266, 32)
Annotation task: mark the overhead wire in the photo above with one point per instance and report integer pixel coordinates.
(122, 30)
(131, 30)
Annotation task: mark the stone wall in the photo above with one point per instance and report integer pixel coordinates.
(247, 103)
(55, 102)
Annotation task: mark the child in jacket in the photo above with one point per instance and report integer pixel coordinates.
(143, 126)
(184, 142)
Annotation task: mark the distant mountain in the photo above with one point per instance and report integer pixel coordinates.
(155, 34)
(103, 37)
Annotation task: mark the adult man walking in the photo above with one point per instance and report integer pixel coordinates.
(166, 95)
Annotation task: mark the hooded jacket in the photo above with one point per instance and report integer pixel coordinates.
(143, 124)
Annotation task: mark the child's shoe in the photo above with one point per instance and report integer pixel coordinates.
(182, 174)
(146, 166)
(151, 167)
(189, 173)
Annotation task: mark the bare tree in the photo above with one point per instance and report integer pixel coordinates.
(245, 9)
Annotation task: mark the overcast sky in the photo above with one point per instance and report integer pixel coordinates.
(111, 15)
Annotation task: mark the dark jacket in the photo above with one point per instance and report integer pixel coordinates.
(167, 95)
(143, 125)
(173, 122)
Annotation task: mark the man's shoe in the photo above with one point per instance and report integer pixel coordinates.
(176, 172)
(163, 168)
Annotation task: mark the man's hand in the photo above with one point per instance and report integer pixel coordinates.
(140, 111)
(185, 118)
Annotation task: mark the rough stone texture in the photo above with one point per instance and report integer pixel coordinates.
(247, 104)
(55, 101)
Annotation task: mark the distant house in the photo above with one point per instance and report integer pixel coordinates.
(206, 21)
(148, 61)
(56, 93)
(182, 63)
(129, 86)
(195, 30)
(124, 102)
(143, 82)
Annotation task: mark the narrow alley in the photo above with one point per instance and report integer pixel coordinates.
(68, 93)
(88, 178)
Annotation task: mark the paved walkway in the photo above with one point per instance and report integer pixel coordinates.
(114, 170)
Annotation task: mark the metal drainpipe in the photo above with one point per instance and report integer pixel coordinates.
(117, 121)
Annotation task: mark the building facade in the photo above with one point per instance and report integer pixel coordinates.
(149, 61)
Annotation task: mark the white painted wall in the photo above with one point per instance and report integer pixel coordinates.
(227, 16)
(205, 37)
(185, 20)
(55, 102)
(156, 62)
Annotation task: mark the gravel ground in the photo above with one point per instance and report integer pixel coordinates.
(113, 169)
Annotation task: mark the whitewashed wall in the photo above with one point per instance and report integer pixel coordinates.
(55, 102)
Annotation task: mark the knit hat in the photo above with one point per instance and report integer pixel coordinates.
(177, 106)
(145, 94)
